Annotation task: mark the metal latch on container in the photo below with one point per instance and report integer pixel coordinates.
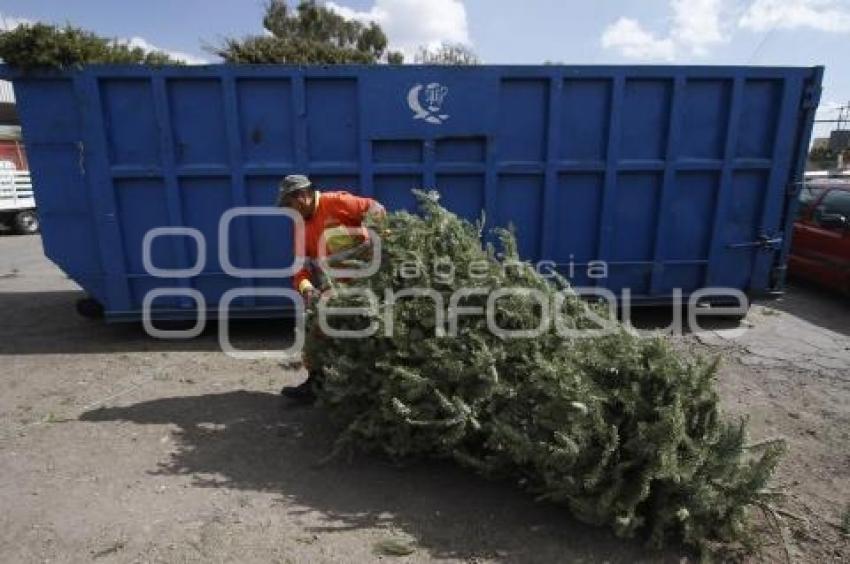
(764, 243)
(811, 97)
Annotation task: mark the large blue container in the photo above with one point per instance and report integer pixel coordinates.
(676, 177)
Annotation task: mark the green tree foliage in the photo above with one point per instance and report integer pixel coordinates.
(622, 430)
(270, 50)
(48, 46)
(447, 54)
(309, 34)
(825, 158)
(821, 154)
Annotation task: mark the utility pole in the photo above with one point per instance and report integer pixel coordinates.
(843, 115)
(842, 119)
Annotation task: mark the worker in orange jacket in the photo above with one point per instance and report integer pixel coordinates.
(334, 222)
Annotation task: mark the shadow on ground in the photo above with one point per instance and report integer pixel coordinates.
(245, 441)
(819, 306)
(663, 319)
(809, 302)
(48, 323)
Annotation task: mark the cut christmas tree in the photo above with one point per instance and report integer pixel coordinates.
(622, 430)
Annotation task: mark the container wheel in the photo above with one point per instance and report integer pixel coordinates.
(736, 317)
(727, 317)
(90, 308)
(26, 222)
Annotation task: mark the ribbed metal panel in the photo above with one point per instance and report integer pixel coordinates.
(674, 178)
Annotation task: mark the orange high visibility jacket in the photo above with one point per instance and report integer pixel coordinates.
(334, 211)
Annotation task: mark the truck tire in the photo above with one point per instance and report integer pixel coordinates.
(90, 308)
(26, 222)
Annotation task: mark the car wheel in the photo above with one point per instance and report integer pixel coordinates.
(26, 222)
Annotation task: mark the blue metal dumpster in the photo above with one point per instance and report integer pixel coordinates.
(675, 177)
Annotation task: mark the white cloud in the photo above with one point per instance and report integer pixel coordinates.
(629, 37)
(143, 44)
(410, 24)
(822, 15)
(10, 22)
(695, 25)
(698, 25)
(829, 109)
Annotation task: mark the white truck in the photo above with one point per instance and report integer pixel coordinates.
(17, 204)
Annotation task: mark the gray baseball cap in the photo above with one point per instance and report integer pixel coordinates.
(291, 184)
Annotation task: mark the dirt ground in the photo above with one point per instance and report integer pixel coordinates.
(116, 447)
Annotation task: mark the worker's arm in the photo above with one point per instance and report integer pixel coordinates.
(301, 281)
(355, 208)
(376, 208)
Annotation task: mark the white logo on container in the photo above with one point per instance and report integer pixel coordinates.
(432, 95)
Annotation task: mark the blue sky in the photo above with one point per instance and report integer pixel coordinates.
(761, 32)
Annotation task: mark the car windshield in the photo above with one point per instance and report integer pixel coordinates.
(836, 202)
(811, 192)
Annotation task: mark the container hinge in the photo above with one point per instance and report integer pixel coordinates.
(811, 97)
(763, 243)
(777, 276)
(793, 189)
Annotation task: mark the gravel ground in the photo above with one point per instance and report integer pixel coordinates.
(119, 448)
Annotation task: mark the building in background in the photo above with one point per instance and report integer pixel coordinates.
(839, 140)
(8, 113)
(832, 154)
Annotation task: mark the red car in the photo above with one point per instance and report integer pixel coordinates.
(820, 250)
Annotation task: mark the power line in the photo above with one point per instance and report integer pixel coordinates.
(842, 119)
(764, 39)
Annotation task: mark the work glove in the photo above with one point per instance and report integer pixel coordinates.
(311, 296)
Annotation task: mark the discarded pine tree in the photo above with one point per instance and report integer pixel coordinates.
(622, 430)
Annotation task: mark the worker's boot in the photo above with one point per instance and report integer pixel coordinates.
(305, 392)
